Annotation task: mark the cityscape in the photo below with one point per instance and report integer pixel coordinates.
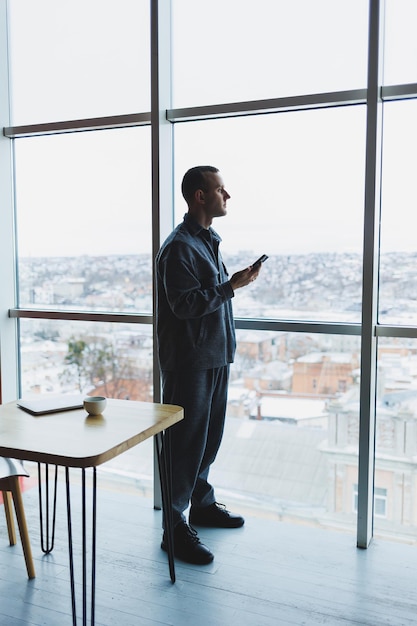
(291, 441)
(319, 286)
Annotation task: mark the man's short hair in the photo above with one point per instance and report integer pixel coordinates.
(195, 179)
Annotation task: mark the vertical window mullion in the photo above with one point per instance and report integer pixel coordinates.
(162, 164)
(162, 160)
(8, 326)
(370, 279)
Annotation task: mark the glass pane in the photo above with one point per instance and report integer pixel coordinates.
(291, 439)
(75, 59)
(400, 56)
(396, 438)
(84, 220)
(296, 182)
(398, 274)
(95, 358)
(267, 49)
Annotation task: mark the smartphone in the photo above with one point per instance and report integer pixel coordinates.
(260, 260)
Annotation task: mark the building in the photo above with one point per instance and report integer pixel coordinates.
(324, 373)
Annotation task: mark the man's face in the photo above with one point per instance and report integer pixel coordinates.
(215, 197)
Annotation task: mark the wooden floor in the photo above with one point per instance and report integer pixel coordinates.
(266, 574)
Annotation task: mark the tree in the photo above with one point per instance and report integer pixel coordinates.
(93, 362)
(76, 360)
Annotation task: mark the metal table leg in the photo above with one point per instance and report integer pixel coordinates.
(163, 451)
(47, 530)
(84, 549)
(162, 442)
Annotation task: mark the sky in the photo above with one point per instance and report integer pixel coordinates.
(296, 180)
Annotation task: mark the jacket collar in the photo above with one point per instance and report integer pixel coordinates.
(196, 229)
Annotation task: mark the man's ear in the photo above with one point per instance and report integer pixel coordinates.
(199, 196)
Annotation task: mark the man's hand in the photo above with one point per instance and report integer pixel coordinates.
(244, 277)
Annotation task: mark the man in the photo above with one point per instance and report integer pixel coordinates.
(196, 344)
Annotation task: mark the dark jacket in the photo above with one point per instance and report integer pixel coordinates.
(195, 326)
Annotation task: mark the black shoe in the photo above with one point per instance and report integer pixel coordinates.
(187, 546)
(215, 516)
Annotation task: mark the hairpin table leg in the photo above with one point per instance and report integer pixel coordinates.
(84, 548)
(163, 451)
(47, 530)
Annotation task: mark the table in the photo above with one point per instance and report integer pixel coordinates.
(72, 439)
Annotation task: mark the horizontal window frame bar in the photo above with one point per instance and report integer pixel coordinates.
(398, 92)
(274, 105)
(82, 316)
(401, 332)
(73, 126)
(326, 328)
(216, 111)
(292, 103)
(241, 323)
(253, 107)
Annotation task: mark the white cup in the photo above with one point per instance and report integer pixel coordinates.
(95, 405)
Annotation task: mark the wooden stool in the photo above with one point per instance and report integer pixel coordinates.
(10, 470)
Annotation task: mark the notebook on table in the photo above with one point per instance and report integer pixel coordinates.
(51, 404)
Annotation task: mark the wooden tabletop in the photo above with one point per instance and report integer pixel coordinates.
(74, 439)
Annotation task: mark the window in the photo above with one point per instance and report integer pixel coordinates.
(100, 64)
(396, 441)
(270, 49)
(95, 358)
(280, 105)
(296, 182)
(380, 501)
(398, 279)
(83, 205)
(400, 42)
(301, 467)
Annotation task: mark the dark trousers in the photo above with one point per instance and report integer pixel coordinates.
(196, 439)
